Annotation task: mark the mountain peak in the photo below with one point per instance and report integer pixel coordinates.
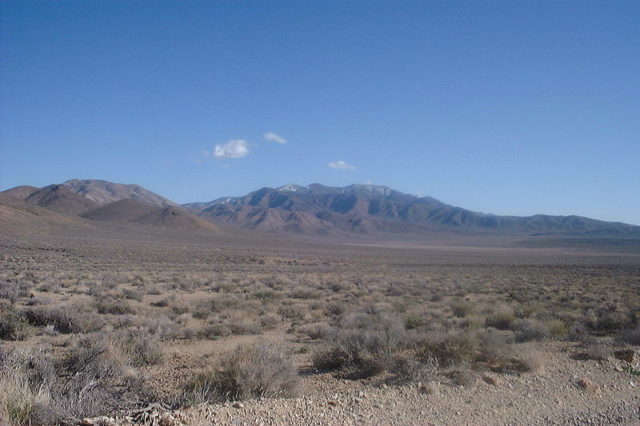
(292, 187)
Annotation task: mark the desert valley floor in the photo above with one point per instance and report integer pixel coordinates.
(170, 330)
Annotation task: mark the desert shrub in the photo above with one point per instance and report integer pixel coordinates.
(20, 402)
(292, 312)
(114, 307)
(244, 326)
(557, 328)
(335, 309)
(413, 321)
(160, 326)
(13, 326)
(140, 347)
(493, 349)
(180, 308)
(363, 348)
(132, 295)
(461, 309)
(463, 377)
(631, 336)
(9, 291)
(259, 371)
(448, 350)
(527, 359)
(38, 391)
(268, 321)
(61, 319)
(303, 293)
(201, 314)
(597, 351)
(407, 369)
(266, 295)
(317, 331)
(530, 329)
(609, 321)
(523, 311)
(214, 331)
(500, 320)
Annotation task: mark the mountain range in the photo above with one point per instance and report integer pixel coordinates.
(293, 209)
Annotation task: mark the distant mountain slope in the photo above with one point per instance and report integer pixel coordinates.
(103, 192)
(19, 216)
(61, 199)
(319, 209)
(21, 192)
(146, 214)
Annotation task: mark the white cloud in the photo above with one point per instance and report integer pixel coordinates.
(235, 148)
(341, 165)
(273, 137)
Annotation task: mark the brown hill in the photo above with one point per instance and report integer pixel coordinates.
(132, 211)
(23, 218)
(103, 192)
(21, 192)
(61, 199)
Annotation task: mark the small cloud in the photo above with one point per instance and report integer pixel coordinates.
(273, 137)
(235, 148)
(342, 165)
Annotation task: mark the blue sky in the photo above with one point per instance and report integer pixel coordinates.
(514, 107)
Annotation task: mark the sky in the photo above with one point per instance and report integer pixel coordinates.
(506, 107)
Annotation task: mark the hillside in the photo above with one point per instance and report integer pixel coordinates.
(21, 192)
(324, 210)
(103, 192)
(133, 211)
(61, 199)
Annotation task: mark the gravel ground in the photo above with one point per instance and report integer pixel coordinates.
(553, 395)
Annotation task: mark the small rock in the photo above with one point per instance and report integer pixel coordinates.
(495, 381)
(238, 405)
(627, 355)
(332, 403)
(586, 384)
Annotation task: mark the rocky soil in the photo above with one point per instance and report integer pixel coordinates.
(564, 391)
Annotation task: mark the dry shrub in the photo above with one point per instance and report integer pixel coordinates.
(115, 307)
(259, 371)
(463, 377)
(140, 347)
(494, 349)
(530, 329)
(365, 347)
(528, 359)
(597, 351)
(557, 329)
(317, 331)
(62, 319)
(13, 326)
(449, 349)
(631, 336)
(461, 309)
(21, 403)
(500, 320)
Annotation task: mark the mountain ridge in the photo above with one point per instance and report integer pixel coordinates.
(313, 209)
(363, 208)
